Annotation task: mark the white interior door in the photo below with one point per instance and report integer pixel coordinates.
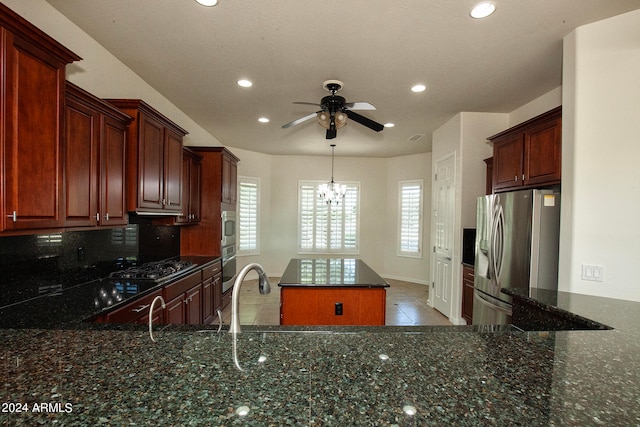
(443, 220)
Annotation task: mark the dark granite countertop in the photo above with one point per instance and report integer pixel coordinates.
(75, 300)
(330, 376)
(330, 272)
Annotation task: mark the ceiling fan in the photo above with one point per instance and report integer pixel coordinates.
(334, 111)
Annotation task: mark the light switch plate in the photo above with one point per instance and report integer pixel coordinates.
(592, 273)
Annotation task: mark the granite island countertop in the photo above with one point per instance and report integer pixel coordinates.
(325, 376)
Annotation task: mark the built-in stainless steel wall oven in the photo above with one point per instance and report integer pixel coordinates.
(228, 243)
(228, 267)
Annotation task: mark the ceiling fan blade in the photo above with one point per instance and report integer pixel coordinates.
(300, 120)
(359, 106)
(307, 103)
(364, 121)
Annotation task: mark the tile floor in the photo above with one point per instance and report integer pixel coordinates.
(406, 305)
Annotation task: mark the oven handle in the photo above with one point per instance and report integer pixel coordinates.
(229, 258)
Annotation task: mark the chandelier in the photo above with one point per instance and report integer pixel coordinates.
(331, 192)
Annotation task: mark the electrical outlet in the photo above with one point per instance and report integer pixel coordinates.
(592, 273)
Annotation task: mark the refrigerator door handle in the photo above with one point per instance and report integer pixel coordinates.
(497, 243)
(481, 300)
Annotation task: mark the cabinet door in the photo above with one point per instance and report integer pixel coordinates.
(82, 126)
(185, 217)
(174, 312)
(172, 198)
(229, 179)
(218, 303)
(542, 159)
(194, 189)
(467, 293)
(33, 85)
(113, 149)
(507, 162)
(207, 301)
(194, 306)
(150, 163)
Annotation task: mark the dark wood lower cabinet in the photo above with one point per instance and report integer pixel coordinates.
(192, 300)
(467, 293)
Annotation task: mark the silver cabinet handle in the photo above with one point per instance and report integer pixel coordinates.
(97, 216)
(106, 216)
(13, 216)
(141, 308)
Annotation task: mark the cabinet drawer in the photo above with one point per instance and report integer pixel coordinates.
(211, 269)
(468, 273)
(130, 313)
(181, 286)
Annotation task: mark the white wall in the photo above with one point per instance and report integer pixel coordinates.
(405, 168)
(536, 107)
(601, 147)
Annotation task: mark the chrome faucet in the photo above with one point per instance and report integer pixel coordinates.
(263, 285)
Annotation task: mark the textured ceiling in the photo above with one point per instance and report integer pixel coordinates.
(379, 48)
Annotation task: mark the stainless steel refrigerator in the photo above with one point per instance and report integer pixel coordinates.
(517, 239)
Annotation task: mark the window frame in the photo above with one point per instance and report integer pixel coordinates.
(401, 218)
(254, 181)
(351, 185)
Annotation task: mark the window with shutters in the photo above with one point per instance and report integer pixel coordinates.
(248, 214)
(410, 219)
(324, 228)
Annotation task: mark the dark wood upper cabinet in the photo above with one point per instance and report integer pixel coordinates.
(529, 154)
(154, 160)
(191, 173)
(95, 147)
(31, 125)
(218, 193)
(229, 178)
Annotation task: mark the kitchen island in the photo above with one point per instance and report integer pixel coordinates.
(79, 373)
(332, 291)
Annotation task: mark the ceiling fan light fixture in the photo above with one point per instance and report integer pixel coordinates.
(483, 9)
(324, 119)
(208, 3)
(341, 119)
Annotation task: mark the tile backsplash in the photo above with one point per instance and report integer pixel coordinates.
(31, 263)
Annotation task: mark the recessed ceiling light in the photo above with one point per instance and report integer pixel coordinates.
(208, 3)
(483, 9)
(244, 83)
(418, 88)
(263, 120)
(389, 125)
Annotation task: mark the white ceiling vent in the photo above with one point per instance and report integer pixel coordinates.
(414, 138)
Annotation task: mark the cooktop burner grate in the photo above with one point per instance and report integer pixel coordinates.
(153, 271)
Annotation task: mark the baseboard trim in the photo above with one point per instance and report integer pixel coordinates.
(406, 279)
